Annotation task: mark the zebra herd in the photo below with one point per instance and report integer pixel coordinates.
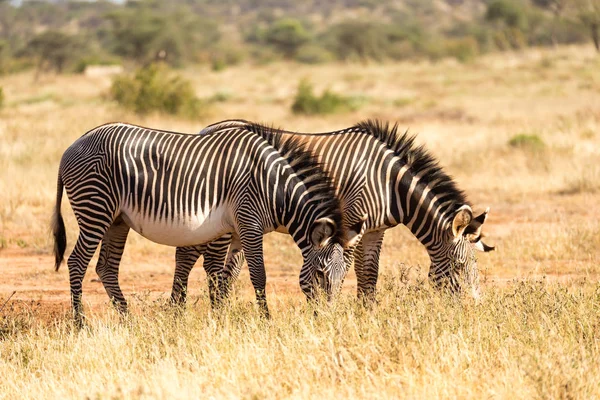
(218, 192)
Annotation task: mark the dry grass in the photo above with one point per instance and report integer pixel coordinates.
(533, 340)
(523, 340)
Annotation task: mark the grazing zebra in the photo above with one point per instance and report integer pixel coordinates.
(180, 189)
(404, 184)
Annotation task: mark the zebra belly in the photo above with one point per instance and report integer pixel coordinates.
(182, 230)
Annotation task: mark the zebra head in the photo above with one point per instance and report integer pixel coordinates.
(324, 265)
(454, 264)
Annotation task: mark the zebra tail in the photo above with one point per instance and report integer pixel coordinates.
(58, 228)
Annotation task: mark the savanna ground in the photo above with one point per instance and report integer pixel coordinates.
(535, 333)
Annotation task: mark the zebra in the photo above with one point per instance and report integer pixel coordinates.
(404, 184)
(182, 189)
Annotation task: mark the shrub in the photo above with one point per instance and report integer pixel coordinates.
(464, 50)
(527, 142)
(307, 103)
(153, 88)
(507, 11)
(358, 40)
(1, 97)
(84, 62)
(313, 54)
(287, 35)
(226, 54)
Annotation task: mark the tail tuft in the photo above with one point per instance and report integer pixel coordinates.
(58, 228)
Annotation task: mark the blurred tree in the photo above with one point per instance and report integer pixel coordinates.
(287, 35)
(53, 50)
(358, 40)
(588, 12)
(508, 12)
(557, 8)
(145, 32)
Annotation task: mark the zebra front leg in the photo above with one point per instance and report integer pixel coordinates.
(348, 260)
(367, 265)
(252, 244)
(107, 268)
(185, 259)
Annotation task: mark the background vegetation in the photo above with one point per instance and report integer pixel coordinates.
(67, 35)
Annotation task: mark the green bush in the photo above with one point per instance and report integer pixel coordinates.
(287, 35)
(1, 97)
(358, 40)
(84, 62)
(307, 103)
(226, 54)
(153, 88)
(509, 12)
(526, 141)
(313, 54)
(464, 49)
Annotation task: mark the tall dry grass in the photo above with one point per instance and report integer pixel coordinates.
(531, 340)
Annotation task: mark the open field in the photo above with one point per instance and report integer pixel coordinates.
(535, 333)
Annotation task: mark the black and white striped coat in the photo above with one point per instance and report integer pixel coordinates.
(401, 184)
(180, 190)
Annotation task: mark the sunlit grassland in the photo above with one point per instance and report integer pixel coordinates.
(534, 334)
(532, 340)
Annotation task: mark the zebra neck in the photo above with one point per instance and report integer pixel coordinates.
(422, 207)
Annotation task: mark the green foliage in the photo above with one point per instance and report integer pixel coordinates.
(181, 32)
(144, 32)
(94, 59)
(307, 103)
(154, 88)
(358, 40)
(226, 54)
(54, 50)
(313, 54)
(524, 141)
(508, 12)
(286, 35)
(464, 50)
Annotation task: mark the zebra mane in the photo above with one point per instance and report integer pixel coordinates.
(307, 168)
(420, 161)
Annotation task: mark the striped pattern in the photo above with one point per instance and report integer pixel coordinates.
(401, 184)
(180, 190)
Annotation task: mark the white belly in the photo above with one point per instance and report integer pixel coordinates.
(198, 228)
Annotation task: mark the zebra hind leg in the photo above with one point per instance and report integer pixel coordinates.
(111, 251)
(232, 270)
(84, 249)
(214, 262)
(185, 259)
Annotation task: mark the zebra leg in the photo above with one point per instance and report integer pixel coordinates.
(367, 265)
(348, 260)
(185, 259)
(214, 262)
(84, 249)
(107, 268)
(232, 269)
(252, 244)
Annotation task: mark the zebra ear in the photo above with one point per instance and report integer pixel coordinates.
(473, 231)
(461, 220)
(321, 231)
(355, 232)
